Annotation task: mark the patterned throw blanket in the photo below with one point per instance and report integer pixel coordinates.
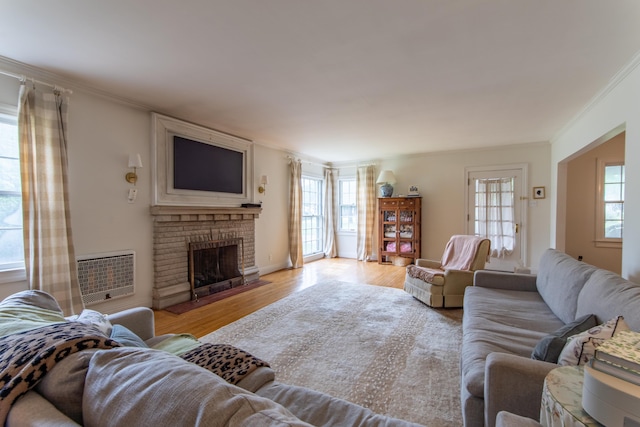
(28, 356)
(226, 361)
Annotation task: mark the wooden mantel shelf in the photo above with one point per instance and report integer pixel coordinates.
(203, 210)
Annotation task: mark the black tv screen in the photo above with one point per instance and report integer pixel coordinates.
(206, 167)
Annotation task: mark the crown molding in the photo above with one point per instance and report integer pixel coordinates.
(32, 72)
(622, 74)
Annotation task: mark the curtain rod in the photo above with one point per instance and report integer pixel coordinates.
(24, 78)
(332, 166)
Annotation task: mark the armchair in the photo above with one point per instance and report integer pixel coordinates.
(442, 283)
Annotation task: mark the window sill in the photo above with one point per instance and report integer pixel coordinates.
(617, 244)
(12, 276)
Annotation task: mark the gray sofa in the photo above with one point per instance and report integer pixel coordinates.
(137, 385)
(506, 315)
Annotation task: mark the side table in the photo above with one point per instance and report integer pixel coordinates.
(562, 399)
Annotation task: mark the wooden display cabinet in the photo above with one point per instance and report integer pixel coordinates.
(399, 228)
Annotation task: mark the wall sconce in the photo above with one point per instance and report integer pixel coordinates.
(135, 161)
(386, 178)
(264, 180)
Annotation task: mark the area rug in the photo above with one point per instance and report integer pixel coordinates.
(374, 346)
(184, 307)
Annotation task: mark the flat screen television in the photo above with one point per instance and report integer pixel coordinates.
(205, 167)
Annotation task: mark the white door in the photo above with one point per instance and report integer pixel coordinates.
(495, 209)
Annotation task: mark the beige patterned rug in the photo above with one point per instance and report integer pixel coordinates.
(374, 346)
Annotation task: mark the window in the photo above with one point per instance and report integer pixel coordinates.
(11, 238)
(348, 211)
(610, 214)
(311, 216)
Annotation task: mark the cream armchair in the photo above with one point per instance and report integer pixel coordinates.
(442, 283)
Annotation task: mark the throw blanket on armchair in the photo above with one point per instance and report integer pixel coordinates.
(27, 356)
(458, 255)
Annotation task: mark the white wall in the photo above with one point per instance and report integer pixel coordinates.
(440, 178)
(617, 106)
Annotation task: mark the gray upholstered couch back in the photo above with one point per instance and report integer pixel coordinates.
(572, 288)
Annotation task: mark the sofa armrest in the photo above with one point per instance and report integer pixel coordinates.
(456, 280)
(428, 263)
(502, 280)
(138, 319)
(507, 419)
(514, 384)
(33, 410)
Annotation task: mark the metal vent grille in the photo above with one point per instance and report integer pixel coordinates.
(106, 276)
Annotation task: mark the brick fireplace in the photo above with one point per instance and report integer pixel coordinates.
(175, 227)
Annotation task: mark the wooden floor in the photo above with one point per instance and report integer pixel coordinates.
(206, 319)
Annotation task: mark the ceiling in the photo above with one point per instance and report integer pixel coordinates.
(339, 80)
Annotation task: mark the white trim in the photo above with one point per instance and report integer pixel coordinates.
(163, 193)
(600, 240)
(13, 275)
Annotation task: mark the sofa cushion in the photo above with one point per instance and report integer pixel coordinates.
(607, 295)
(499, 320)
(64, 384)
(142, 386)
(560, 279)
(550, 347)
(580, 348)
(125, 337)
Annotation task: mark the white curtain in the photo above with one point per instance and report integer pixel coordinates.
(295, 213)
(329, 206)
(495, 206)
(50, 260)
(366, 207)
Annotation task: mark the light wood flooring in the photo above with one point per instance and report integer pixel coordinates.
(206, 319)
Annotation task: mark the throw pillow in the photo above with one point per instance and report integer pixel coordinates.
(550, 347)
(580, 348)
(126, 337)
(95, 318)
(64, 384)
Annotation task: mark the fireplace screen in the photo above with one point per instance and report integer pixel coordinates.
(215, 266)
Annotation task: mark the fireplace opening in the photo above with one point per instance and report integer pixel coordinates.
(215, 266)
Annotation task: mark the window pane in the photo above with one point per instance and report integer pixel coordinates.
(11, 238)
(613, 211)
(613, 229)
(9, 175)
(613, 192)
(613, 174)
(8, 139)
(347, 202)
(311, 216)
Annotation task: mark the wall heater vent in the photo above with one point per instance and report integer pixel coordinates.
(106, 276)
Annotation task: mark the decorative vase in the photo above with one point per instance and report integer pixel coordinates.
(386, 190)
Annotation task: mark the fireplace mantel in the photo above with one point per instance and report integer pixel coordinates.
(203, 210)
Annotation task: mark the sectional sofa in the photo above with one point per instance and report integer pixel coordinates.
(507, 316)
(99, 370)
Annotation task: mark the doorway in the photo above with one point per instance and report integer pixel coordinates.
(495, 204)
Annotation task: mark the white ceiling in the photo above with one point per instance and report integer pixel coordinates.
(339, 80)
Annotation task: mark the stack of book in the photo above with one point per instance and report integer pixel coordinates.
(620, 357)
